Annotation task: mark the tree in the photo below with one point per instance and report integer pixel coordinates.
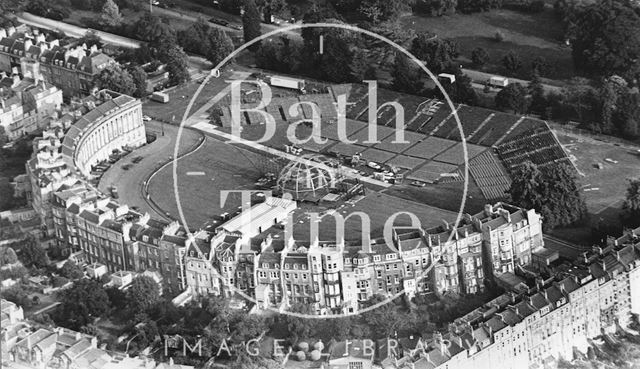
(540, 66)
(460, 91)
(81, 303)
(605, 38)
(155, 30)
(114, 78)
(8, 256)
(55, 10)
(437, 54)
(436, 8)
(376, 11)
(627, 116)
(299, 328)
(10, 6)
(58, 281)
(177, 64)
(471, 6)
(251, 23)
(512, 61)
(539, 102)
(32, 253)
(139, 77)
(111, 16)
(18, 296)
(552, 191)
(142, 294)
(71, 270)
(219, 46)
(479, 56)
(271, 8)
(406, 76)
(385, 320)
(631, 204)
(513, 98)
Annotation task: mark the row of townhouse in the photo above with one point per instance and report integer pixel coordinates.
(28, 346)
(25, 104)
(580, 300)
(71, 68)
(87, 133)
(120, 238)
(338, 277)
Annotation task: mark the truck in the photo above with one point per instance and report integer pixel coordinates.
(286, 82)
(160, 97)
(499, 82)
(446, 77)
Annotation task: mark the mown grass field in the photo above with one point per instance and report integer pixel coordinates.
(529, 35)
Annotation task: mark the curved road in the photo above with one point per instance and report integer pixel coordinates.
(155, 155)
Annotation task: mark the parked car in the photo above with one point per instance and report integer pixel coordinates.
(114, 192)
(221, 22)
(374, 165)
(418, 184)
(146, 118)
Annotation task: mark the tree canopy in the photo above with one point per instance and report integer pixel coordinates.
(142, 294)
(71, 270)
(513, 98)
(116, 79)
(155, 30)
(406, 75)
(436, 8)
(110, 16)
(81, 303)
(177, 63)
(552, 191)
(139, 77)
(251, 22)
(436, 53)
(631, 204)
(605, 38)
(33, 254)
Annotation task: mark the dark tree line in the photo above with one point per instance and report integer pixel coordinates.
(551, 190)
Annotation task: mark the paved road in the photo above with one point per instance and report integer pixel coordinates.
(110, 38)
(48, 307)
(155, 155)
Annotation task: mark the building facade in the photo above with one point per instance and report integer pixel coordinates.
(70, 68)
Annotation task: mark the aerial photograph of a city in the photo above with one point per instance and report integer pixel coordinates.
(320, 184)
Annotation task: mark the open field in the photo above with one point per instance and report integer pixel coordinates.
(608, 184)
(225, 167)
(177, 105)
(529, 35)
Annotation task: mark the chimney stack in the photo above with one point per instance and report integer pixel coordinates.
(488, 210)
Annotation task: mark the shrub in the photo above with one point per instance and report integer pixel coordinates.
(318, 346)
(499, 36)
(536, 6)
(479, 56)
(59, 281)
(315, 355)
(301, 356)
(303, 346)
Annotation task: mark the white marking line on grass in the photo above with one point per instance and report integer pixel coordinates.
(195, 173)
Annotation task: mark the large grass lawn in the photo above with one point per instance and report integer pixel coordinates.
(179, 98)
(529, 35)
(225, 167)
(608, 185)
